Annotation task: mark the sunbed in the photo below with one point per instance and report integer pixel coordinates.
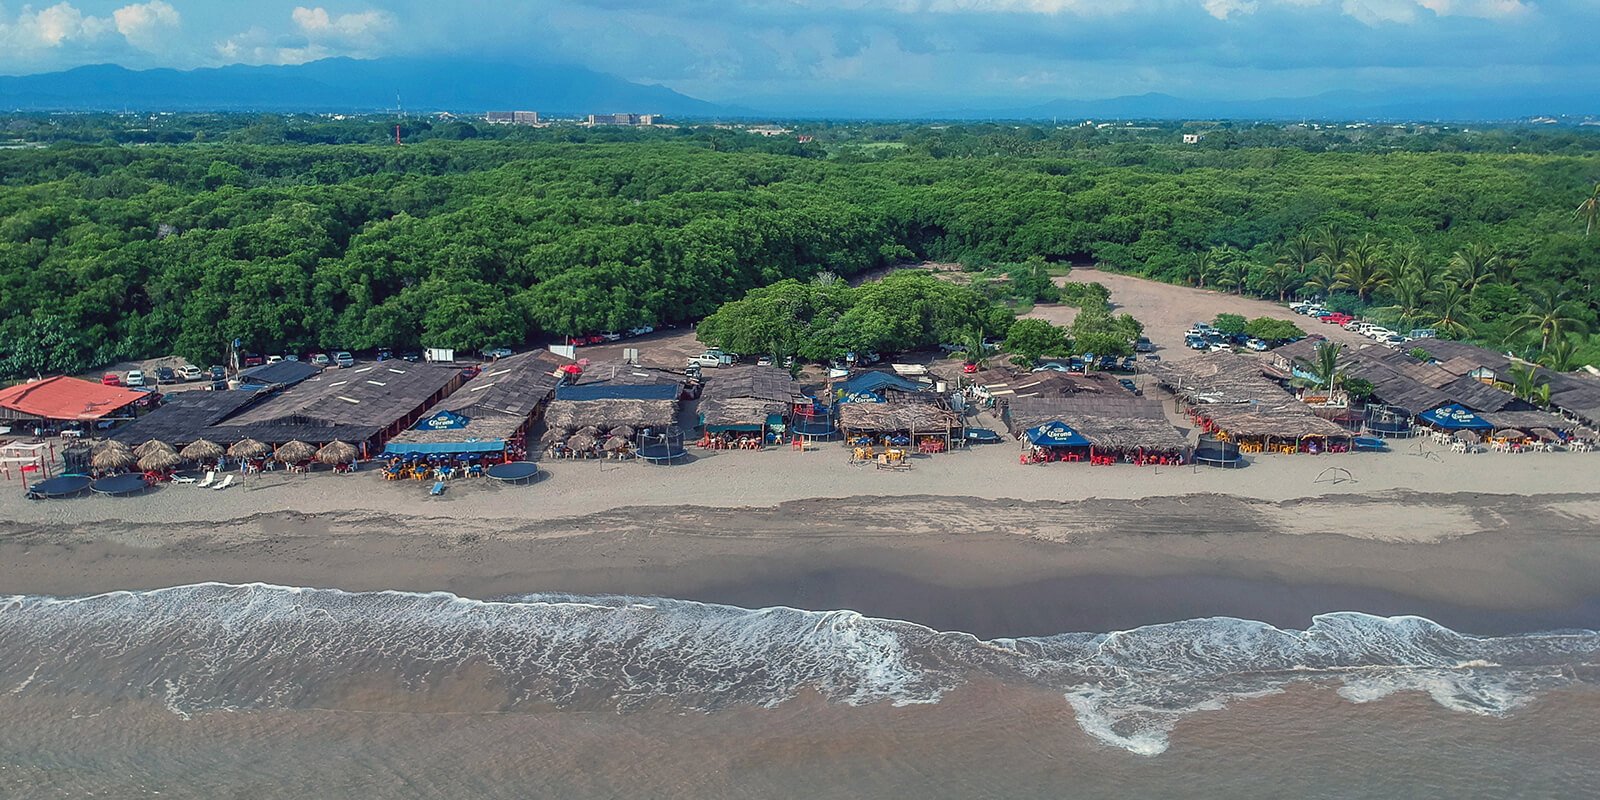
(226, 482)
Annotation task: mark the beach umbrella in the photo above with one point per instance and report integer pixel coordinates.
(552, 435)
(295, 452)
(202, 450)
(158, 460)
(109, 444)
(152, 446)
(249, 448)
(591, 430)
(580, 441)
(616, 443)
(113, 458)
(337, 453)
(625, 431)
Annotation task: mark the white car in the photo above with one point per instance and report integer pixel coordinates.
(135, 378)
(344, 359)
(1256, 345)
(189, 372)
(610, 336)
(641, 330)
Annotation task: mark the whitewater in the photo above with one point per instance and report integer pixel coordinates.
(212, 646)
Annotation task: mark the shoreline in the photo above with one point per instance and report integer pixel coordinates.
(990, 567)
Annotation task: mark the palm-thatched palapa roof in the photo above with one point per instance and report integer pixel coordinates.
(1110, 423)
(739, 411)
(295, 452)
(1247, 421)
(249, 448)
(574, 414)
(911, 415)
(337, 453)
(158, 459)
(202, 450)
(152, 446)
(109, 444)
(113, 458)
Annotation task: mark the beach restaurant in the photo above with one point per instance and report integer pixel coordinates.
(918, 419)
(489, 415)
(1239, 399)
(746, 407)
(65, 403)
(1117, 429)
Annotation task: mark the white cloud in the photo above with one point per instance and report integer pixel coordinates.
(147, 25)
(1222, 8)
(51, 27)
(1375, 12)
(1486, 9)
(318, 23)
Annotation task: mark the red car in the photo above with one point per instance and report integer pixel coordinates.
(969, 368)
(595, 338)
(1337, 319)
(110, 379)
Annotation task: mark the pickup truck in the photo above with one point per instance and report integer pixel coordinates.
(711, 358)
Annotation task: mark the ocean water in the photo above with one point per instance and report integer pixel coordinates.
(217, 690)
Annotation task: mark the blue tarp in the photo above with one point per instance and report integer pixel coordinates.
(606, 391)
(1056, 434)
(876, 382)
(1455, 417)
(441, 448)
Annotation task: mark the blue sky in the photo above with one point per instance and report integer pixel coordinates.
(966, 50)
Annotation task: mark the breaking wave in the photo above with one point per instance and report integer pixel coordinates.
(218, 646)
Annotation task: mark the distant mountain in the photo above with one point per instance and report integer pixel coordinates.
(343, 84)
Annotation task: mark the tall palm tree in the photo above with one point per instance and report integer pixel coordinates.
(1475, 265)
(1449, 309)
(1320, 278)
(1589, 211)
(1563, 355)
(1233, 274)
(1281, 276)
(974, 350)
(1363, 270)
(1332, 246)
(1324, 368)
(1525, 382)
(1551, 316)
(1297, 253)
(1200, 266)
(1410, 298)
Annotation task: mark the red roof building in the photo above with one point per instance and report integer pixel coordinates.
(64, 398)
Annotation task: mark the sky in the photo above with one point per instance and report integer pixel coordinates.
(1000, 51)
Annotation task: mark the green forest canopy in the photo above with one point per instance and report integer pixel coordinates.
(109, 252)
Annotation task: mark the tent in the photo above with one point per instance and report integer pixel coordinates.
(1056, 434)
(1455, 417)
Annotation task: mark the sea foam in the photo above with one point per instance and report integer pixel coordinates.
(214, 646)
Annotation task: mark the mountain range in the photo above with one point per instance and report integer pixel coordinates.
(433, 84)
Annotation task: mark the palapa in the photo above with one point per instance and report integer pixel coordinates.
(581, 441)
(249, 448)
(295, 452)
(1113, 424)
(113, 458)
(893, 417)
(337, 453)
(553, 436)
(159, 460)
(625, 431)
(110, 444)
(616, 443)
(574, 414)
(202, 450)
(152, 446)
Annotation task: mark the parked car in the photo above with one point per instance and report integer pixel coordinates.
(385, 354)
(596, 338)
(1336, 319)
(969, 368)
(499, 352)
(1129, 362)
(707, 360)
(190, 372)
(344, 359)
(217, 386)
(110, 379)
(1052, 366)
(1143, 345)
(320, 359)
(135, 378)
(1256, 345)
(1108, 362)
(1219, 346)
(253, 360)
(641, 330)
(166, 375)
(1075, 364)
(219, 372)
(291, 357)
(1131, 386)
(1152, 358)
(411, 355)
(610, 336)
(1196, 343)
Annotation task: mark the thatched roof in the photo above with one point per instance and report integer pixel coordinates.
(295, 452)
(1525, 420)
(739, 411)
(897, 416)
(202, 450)
(1113, 423)
(152, 446)
(1293, 421)
(753, 383)
(1223, 377)
(249, 448)
(337, 453)
(112, 458)
(109, 444)
(574, 414)
(158, 459)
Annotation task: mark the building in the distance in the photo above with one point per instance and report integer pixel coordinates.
(626, 119)
(512, 118)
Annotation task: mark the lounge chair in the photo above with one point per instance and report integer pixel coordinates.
(210, 478)
(438, 488)
(226, 482)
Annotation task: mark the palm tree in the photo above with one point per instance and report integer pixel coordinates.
(1409, 297)
(1298, 253)
(1589, 210)
(1475, 265)
(1450, 309)
(1551, 316)
(1280, 276)
(1321, 278)
(1525, 382)
(1233, 275)
(1325, 369)
(1201, 265)
(1332, 246)
(1363, 269)
(974, 350)
(1563, 355)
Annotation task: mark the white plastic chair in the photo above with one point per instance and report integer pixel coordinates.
(210, 478)
(226, 482)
